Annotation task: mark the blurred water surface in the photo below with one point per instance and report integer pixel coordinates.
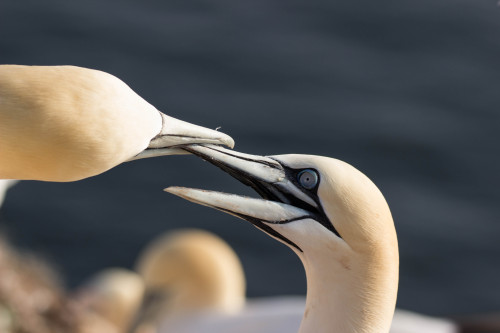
(406, 91)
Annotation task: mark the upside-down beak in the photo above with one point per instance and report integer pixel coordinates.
(175, 133)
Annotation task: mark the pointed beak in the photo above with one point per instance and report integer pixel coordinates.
(256, 171)
(176, 133)
(263, 173)
(261, 213)
(246, 208)
(282, 201)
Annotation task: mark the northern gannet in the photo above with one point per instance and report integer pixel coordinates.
(65, 123)
(333, 217)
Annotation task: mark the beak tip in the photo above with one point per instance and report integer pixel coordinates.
(229, 142)
(175, 190)
(176, 132)
(220, 138)
(170, 189)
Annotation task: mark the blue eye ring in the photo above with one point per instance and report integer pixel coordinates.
(308, 178)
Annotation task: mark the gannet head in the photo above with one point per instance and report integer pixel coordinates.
(185, 272)
(305, 198)
(65, 123)
(191, 270)
(333, 217)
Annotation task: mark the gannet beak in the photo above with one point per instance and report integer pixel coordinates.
(246, 208)
(263, 173)
(175, 133)
(282, 201)
(261, 213)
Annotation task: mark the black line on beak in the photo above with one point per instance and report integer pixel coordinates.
(270, 192)
(241, 176)
(261, 225)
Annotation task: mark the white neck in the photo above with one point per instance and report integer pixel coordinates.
(349, 294)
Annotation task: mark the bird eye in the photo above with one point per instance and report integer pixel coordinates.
(308, 178)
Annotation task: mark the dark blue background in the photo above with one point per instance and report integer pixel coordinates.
(406, 91)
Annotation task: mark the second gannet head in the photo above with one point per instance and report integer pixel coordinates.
(65, 123)
(333, 217)
(190, 270)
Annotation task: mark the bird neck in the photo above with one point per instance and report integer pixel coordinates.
(350, 294)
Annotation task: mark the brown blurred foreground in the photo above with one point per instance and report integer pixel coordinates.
(32, 299)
